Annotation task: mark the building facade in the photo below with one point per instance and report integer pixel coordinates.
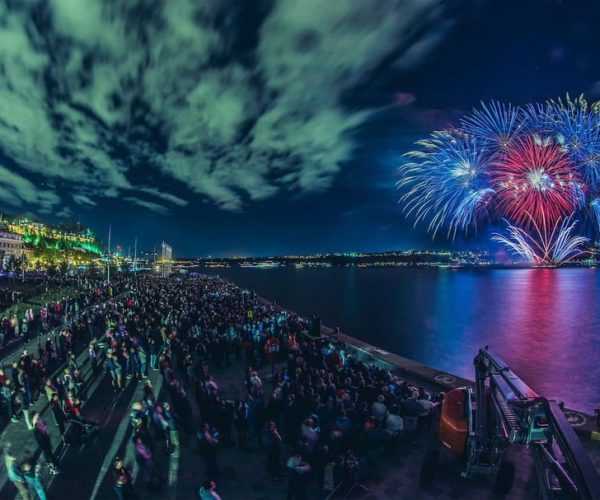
(11, 245)
(166, 260)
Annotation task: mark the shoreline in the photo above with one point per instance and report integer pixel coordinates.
(583, 423)
(443, 266)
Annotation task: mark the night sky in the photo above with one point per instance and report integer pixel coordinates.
(259, 128)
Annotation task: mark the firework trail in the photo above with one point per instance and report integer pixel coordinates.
(541, 246)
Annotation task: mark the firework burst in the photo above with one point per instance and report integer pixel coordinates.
(577, 130)
(496, 125)
(455, 192)
(543, 245)
(536, 183)
(535, 167)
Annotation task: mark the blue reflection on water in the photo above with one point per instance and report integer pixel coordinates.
(544, 322)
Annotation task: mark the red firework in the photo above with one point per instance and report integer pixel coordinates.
(535, 182)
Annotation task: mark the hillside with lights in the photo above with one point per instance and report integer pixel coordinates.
(43, 245)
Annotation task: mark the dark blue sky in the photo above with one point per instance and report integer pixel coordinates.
(237, 128)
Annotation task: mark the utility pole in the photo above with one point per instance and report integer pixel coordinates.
(135, 257)
(108, 262)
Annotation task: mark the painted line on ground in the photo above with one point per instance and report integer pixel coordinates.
(115, 445)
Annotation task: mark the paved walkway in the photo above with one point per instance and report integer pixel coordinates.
(86, 467)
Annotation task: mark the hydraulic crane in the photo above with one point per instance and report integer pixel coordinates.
(478, 429)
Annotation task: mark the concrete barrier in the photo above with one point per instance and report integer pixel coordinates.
(428, 377)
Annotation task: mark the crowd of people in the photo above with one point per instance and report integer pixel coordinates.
(52, 373)
(8, 297)
(319, 417)
(29, 323)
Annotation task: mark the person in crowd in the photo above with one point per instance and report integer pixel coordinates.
(393, 423)
(256, 382)
(58, 415)
(122, 481)
(208, 491)
(298, 471)
(309, 432)
(143, 456)
(272, 442)
(208, 442)
(31, 473)
(378, 410)
(8, 398)
(162, 427)
(15, 473)
(40, 431)
(172, 427)
(114, 369)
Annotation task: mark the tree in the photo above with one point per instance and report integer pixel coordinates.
(64, 268)
(13, 263)
(92, 270)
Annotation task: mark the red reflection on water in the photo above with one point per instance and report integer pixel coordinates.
(541, 330)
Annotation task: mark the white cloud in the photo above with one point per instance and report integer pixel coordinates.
(17, 191)
(149, 205)
(83, 199)
(105, 95)
(165, 196)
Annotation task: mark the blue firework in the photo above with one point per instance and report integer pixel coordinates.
(577, 130)
(496, 125)
(452, 180)
(446, 181)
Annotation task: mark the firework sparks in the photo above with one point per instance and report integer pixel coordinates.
(455, 191)
(496, 125)
(577, 130)
(542, 246)
(535, 182)
(535, 167)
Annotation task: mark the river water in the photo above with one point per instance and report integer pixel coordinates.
(545, 323)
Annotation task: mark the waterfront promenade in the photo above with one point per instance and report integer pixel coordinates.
(86, 466)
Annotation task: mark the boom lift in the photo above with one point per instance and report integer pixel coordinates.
(505, 411)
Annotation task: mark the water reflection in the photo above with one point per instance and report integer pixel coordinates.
(544, 322)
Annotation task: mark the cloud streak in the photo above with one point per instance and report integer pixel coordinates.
(234, 102)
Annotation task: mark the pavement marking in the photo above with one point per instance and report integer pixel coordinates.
(575, 418)
(116, 444)
(96, 383)
(173, 474)
(157, 382)
(444, 378)
(120, 435)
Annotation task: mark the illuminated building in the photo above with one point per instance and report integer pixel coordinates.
(11, 245)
